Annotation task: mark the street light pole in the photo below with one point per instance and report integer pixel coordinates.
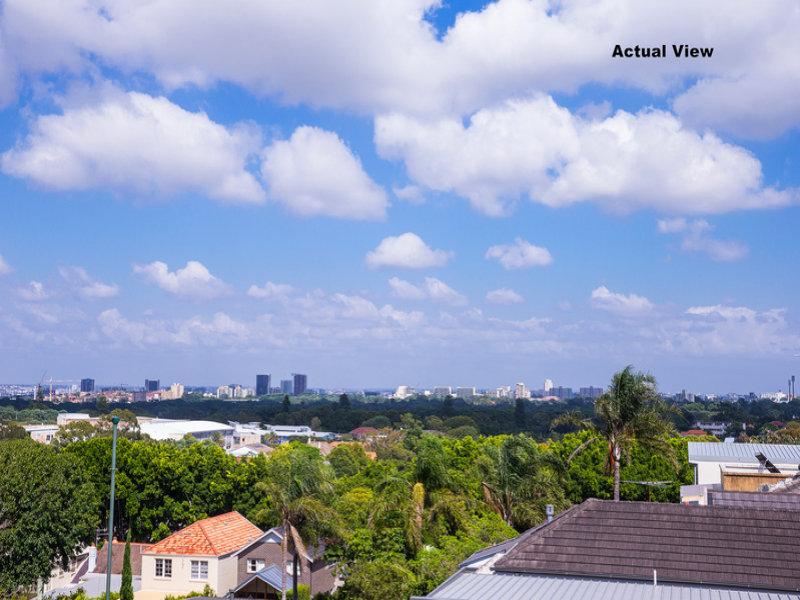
(115, 421)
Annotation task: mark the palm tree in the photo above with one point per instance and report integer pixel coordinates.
(629, 411)
(297, 490)
(519, 480)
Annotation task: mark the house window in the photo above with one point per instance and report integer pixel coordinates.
(164, 567)
(254, 565)
(199, 570)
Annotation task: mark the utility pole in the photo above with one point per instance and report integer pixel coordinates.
(115, 421)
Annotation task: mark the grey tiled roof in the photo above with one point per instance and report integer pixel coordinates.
(468, 586)
(785, 454)
(710, 545)
(786, 501)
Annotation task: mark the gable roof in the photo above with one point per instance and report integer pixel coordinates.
(271, 575)
(117, 554)
(215, 536)
(711, 545)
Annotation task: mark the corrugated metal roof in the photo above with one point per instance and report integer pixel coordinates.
(271, 575)
(785, 454)
(469, 586)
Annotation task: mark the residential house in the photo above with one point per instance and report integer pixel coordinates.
(204, 553)
(606, 549)
(259, 567)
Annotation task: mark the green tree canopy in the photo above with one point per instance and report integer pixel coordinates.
(47, 512)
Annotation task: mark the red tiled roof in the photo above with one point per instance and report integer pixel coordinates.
(694, 432)
(215, 536)
(363, 430)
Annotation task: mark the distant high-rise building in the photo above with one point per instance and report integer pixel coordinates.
(262, 385)
(521, 391)
(287, 387)
(563, 393)
(442, 390)
(590, 392)
(152, 385)
(300, 383)
(548, 385)
(465, 392)
(139, 397)
(87, 385)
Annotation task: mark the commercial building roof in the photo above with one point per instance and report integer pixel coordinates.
(215, 536)
(784, 454)
(758, 500)
(708, 545)
(470, 586)
(168, 429)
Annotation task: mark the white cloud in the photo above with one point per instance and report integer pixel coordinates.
(411, 194)
(520, 255)
(406, 251)
(534, 148)
(314, 173)
(271, 290)
(86, 287)
(629, 305)
(34, 291)
(135, 143)
(5, 268)
(722, 330)
(697, 238)
(433, 289)
(192, 281)
(504, 296)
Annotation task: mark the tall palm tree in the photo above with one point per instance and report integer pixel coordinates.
(297, 491)
(630, 410)
(519, 480)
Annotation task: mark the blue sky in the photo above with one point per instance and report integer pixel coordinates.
(404, 192)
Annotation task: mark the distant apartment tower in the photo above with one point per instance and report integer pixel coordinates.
(442, 390)
(300, 384)
(563, 393)
(262, 385)
(287, 387)
(465, 392)
(152, 385)
(548, 385)
(520, 391)
(590, 392)
(139, 396)
(87, 385)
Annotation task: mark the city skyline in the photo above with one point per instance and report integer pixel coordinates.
(408, 193)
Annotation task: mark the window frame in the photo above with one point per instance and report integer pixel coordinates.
(166, 568)
(257, 564)
(199, 575)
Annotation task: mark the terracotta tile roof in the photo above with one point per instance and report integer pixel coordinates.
(722, 545)
(215, 536)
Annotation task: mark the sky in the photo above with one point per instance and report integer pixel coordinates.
(399, 192)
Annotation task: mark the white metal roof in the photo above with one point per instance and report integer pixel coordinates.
(468, 586)
(169, 430)
(783, 454)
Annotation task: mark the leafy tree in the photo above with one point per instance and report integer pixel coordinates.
(379, 580)
(344, 402)
(12, 431)
(629, 411)
(47, 512)
(287, 404)
(126, 586)
(519, 480)
(75, 431)
(348, 459)
(101, 404)
(297, 490)
(519, 414)
(378, 422)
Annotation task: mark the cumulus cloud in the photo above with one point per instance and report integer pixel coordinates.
(519, 255)
(410, 193)
(721, 329)
(697, 238)
(271, 290)
(432, 289)
(314, 173)
(135, 143)
(504, 296)
(629, 305)
(192, 281)
(5, 268)
(536, 149)
(84, 286)
(406, 251)
(33, 291)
